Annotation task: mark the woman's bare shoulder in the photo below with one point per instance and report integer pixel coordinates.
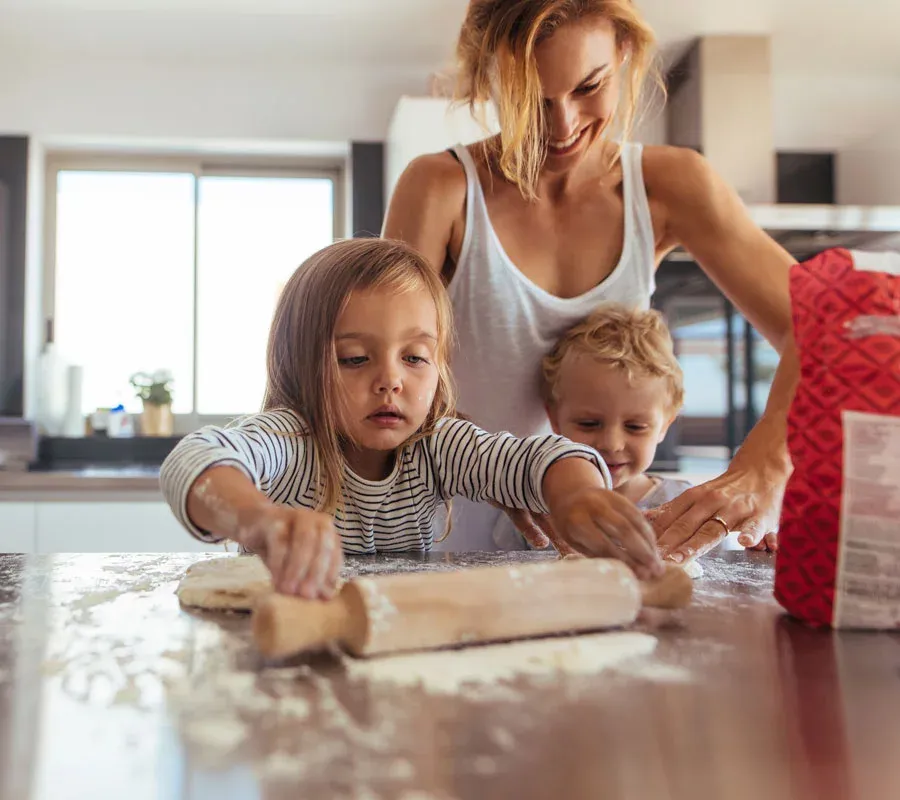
(433, 172)
(674, 175)
(427, 205)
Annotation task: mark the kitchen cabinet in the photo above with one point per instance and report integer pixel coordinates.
(17, 527)
(110, 527)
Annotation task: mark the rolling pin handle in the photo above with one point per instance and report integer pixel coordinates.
(284, 625)
(673, 590)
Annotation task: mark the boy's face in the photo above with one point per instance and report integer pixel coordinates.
(622, 420)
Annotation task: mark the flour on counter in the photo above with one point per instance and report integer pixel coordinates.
(223, 733)
(453, 671)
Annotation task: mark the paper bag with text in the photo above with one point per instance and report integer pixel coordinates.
(838, 563)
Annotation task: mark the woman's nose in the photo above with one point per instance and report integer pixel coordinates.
(563, 121)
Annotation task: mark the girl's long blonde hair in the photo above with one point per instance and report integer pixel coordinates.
(301, 361)
(496, 61)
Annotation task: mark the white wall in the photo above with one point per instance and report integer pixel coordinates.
(869, 176)
(856, 115)
(87, 97)
(817, 111)
(422, 125)
(279, 100)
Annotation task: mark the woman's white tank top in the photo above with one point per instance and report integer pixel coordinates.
(505, 324)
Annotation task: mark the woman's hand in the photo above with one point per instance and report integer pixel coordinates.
(301, 548)
(595, 521)
(745, 498)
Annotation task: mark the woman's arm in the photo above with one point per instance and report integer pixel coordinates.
(427, 207)
(706, 217)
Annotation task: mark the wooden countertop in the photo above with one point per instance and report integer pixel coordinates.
(109, 689)
(40, 483)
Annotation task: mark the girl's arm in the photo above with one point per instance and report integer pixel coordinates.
(545, 475)
(267, 448)
(226, 483)
(301, 548)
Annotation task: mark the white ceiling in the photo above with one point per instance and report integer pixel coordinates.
(837, 35)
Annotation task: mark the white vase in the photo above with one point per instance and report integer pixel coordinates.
(73, 421)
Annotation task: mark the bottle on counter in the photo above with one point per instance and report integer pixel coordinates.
(99, 421)
(73, 420)
(119, 423)
(52, 389)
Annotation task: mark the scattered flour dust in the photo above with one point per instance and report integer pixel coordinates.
(452, 671)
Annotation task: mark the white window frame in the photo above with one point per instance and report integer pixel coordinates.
(334, 169)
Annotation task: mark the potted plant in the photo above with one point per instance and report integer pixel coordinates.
(155, 390)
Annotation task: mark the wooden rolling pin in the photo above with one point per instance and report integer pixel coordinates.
(424, 610)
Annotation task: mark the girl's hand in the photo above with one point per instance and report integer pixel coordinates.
(599, 522)
(301, 548)
(595, 521)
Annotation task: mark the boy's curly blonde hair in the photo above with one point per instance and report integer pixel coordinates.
(636, 341)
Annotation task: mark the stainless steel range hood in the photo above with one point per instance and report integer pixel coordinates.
(720, 103)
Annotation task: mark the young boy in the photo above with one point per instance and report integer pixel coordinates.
(613, 382)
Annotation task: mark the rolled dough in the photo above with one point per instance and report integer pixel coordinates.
(694, 569)
(229, 583)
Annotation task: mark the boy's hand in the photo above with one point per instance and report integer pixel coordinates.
(301, 548)
(596, 521)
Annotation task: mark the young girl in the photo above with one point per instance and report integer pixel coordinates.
(358, 443)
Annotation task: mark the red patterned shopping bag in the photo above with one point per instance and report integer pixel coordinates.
(838, 562)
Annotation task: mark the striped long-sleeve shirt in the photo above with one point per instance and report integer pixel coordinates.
(393, 514)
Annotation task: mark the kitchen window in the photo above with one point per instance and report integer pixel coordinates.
(177, 266)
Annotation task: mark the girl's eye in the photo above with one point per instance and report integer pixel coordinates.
(416, 360)
(637, 428)
(352, 361)
(588, 424)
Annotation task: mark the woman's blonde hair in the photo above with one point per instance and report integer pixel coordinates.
(636, 341)
(301, 360)
(495, 61)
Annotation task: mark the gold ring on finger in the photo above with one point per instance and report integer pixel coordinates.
(721, 522)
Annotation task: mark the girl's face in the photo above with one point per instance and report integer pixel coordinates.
(386, 344)
(579, 67)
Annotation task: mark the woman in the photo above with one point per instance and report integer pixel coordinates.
(533, 228)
